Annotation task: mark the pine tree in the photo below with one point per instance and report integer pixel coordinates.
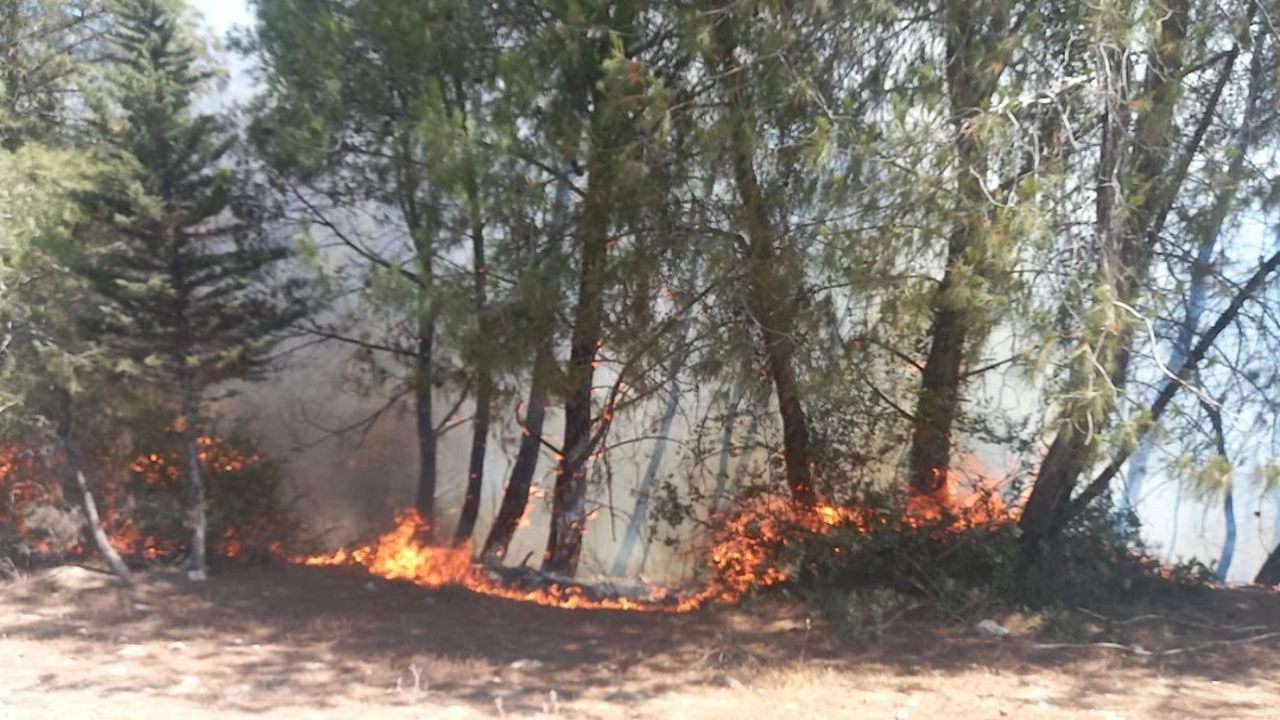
(188, 296)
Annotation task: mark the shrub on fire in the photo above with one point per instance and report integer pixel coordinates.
(247, 515)
(961, 557)
(35, 519)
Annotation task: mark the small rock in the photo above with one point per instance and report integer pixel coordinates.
(524, 664)
(188, 683)
(370, 586)
(197, 575)
(75, 578)
(141, 607)
(177, 645)
(733, 682)
(992, 628)
(270, 683)
(132, 651)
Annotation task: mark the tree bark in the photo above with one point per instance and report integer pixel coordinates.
(1269, 573)
(425, 425)
(640, 512)
(515, 499)
(475, 466)
(197, 564)
(1228, 499)
(973, 67)
(1124, 263)
(100, 539)
(568, 510)
(606, 128)
(771, 279)
(484, 376)
(421, 235)
(726, 445)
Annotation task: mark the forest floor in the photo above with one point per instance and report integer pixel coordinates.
(291, 642)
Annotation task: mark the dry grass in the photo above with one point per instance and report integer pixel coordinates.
(286, 642)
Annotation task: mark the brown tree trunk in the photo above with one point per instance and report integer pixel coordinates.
(418, 218)
(795, 428)
(771, 280)
(568, 509)
(1124, 262)
(1269, 574)
(938, 402)
(515, 498)
(425, 425)
(475, 467)
(606, 129)
(484, 377)
(974, 64)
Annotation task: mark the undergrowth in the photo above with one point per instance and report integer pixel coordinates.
(865, 575)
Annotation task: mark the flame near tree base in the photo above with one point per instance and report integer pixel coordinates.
(740, 555)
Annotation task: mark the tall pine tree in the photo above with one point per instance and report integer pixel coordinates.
(188, 296)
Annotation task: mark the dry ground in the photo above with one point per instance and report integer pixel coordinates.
(290, 642)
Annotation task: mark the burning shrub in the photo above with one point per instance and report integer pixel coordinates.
(247, 515)
(960, 554)
(37, 524)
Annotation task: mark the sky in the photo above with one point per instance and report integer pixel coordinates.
(220, 17)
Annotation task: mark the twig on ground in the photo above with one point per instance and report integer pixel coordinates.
(1143, 652)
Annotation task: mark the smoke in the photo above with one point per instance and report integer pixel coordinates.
(350, 460)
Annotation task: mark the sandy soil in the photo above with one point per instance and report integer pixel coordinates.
(290, 642)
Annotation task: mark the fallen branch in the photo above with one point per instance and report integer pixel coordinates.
(1143, 652)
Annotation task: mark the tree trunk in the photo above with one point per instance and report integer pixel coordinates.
(418, 222)
(640, 513)
(568, 507)
(425, 425)
(197, 565)
(1228, 501)
(938, 402)
(1125, 258)
(973, 66)
(795, 428)
(515, 499)
(1269, 573)
(1229, 541)
(568, 510)
(484, 377)
(771, 284)
(475, 467)
(726, 445)
(100, 539)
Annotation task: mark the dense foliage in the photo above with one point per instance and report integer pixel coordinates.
(890, 248)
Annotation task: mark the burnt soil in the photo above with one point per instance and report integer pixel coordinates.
(281, 641)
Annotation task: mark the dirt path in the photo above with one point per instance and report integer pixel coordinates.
(288, 642)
